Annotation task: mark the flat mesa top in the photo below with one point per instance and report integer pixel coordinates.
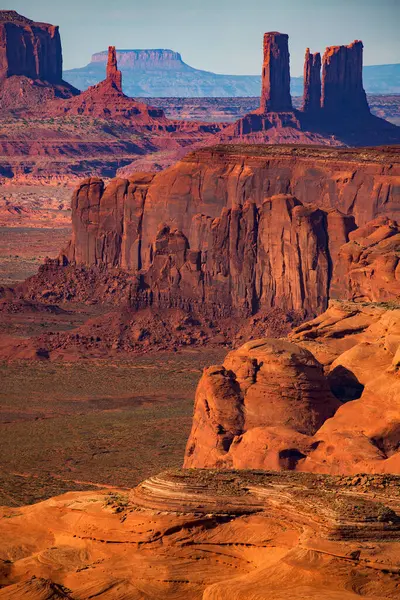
(11, 16)
(367, 154)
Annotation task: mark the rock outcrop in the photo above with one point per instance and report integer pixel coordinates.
(312, 82)
(275, 81)
(266, 391)
(367, 268)
(219, 232)
(29, 48)
(270, 406)
(112, 73)
(206, 182)
(344, 119)
(213, 535)
(107, 100)
(249, 257)
(342, 86)
(30, 62)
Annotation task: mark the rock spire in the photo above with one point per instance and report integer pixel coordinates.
(312, 81)
(275, 92)
(112, 73)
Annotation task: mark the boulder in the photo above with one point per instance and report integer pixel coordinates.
(270, 384)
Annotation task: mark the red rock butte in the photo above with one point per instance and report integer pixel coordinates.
(342, 86)
(335, 112)
(29, 48)
(30, 63)
(275, 91)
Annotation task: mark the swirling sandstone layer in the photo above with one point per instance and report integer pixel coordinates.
(206, 535)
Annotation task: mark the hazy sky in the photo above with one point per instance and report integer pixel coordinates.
(223, 36)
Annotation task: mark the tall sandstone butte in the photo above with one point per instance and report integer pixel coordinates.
(113, 74)
(275, 92)
(28, 48)
(342, 86)
(312, 81)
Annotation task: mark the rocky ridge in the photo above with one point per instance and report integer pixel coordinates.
(216, 237)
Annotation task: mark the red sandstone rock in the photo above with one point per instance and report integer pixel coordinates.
(312, 82)
(345, 120)
(268, 384)
(30, 62)
(219, 255)
(275, 90)
(368, 266)
(270, 407)
(342, 87)
(29, 48)
(247, 258)
(112, 73)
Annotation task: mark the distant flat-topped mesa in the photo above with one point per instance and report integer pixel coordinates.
(144, 59)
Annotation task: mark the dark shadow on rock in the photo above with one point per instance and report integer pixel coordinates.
(344, 384)
(289, 458)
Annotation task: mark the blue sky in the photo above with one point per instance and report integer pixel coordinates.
(224, 36)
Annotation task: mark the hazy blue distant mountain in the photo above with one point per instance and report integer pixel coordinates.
(163, 73)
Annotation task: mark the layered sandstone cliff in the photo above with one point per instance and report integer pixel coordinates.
(30, 53)
(277, 252)
(361, 184)
(29, 48)
(238, 229)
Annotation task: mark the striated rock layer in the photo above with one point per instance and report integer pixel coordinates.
(207, 535)
(239, 229)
